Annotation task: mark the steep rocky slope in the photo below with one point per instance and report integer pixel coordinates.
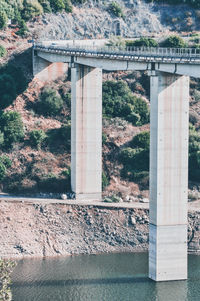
(92, 20)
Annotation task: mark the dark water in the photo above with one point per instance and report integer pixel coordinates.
(111, 277)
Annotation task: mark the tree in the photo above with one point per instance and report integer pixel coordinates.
(174, 42)
(31, 9)
(3, 19)
(36, 138)
(116, 9)
(118, 101)
(68, 6)
(57, 5)
(12, 126)
(7, 90)
(3, 51)
(142, 42)
(46, 6)
(50, 103)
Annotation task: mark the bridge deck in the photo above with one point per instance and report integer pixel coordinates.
(153, 54)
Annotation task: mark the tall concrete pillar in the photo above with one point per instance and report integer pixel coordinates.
(168, 177)
(86, 132)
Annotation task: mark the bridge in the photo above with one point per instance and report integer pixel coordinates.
(169, 71)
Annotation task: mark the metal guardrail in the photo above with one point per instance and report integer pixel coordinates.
(187, 53)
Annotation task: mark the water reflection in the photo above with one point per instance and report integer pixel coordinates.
(171, 290)
(108, 277)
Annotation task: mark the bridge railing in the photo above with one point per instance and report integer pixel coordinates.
(118, 50)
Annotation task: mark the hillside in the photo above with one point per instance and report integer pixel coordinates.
(39, 159)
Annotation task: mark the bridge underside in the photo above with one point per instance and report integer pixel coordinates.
(168, 148)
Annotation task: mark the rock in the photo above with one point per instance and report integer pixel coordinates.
(127, 198)
(144, 200)
(63, 196)
(133, 220)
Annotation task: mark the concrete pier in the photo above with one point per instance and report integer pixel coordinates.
(168, 176)
(86, 132)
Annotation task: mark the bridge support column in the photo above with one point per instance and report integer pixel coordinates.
(168, 177)
(86, 132)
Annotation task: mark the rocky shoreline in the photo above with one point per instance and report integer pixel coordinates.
(30, 229)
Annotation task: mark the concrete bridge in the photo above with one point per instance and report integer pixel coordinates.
(169, 71)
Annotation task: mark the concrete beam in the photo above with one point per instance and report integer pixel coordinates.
(168, 176)
(44, 70)
(86, 132)
(180, 69)
(111, 64)
(54, 57)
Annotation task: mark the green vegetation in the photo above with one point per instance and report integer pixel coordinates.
(5, 163)
(135, 159)
(118, 101)
(6, 267)
(116, 9)
(117, 41)
(36, 138)
(60, 137)
(3, 19)
(50, 103)
(142, 42)
(21, 11)
(174, 42)
(23, 29)
(194, 154)
(112, 199)
(105, 180)
(12, 83)
(3, 51)
(12, 128)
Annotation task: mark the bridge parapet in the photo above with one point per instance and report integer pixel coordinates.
(156, 53)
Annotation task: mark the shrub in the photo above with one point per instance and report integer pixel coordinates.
(104, 138)
(12, 127)
(54, 183)
(118, 101)
(135, 159)
(3, 19)
(105, 180)
(141, 108)
(36, 138)
(12, 83)
(141, 140)
(67, 175)
(7, 90)
(116, 41)
(196, 95)
(68, 6)
(6, 161)
(2, 171)
(112, 199)
(1, 139)
(50, 103)
(23, 29)
(116, 9)
(3, 51)
(46, 6)
(57, 5)
(142, 42)
(60, 137)
(174, 42)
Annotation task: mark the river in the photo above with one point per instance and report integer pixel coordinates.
(107, 277)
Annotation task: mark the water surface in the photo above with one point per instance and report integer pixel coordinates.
(109, 277)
